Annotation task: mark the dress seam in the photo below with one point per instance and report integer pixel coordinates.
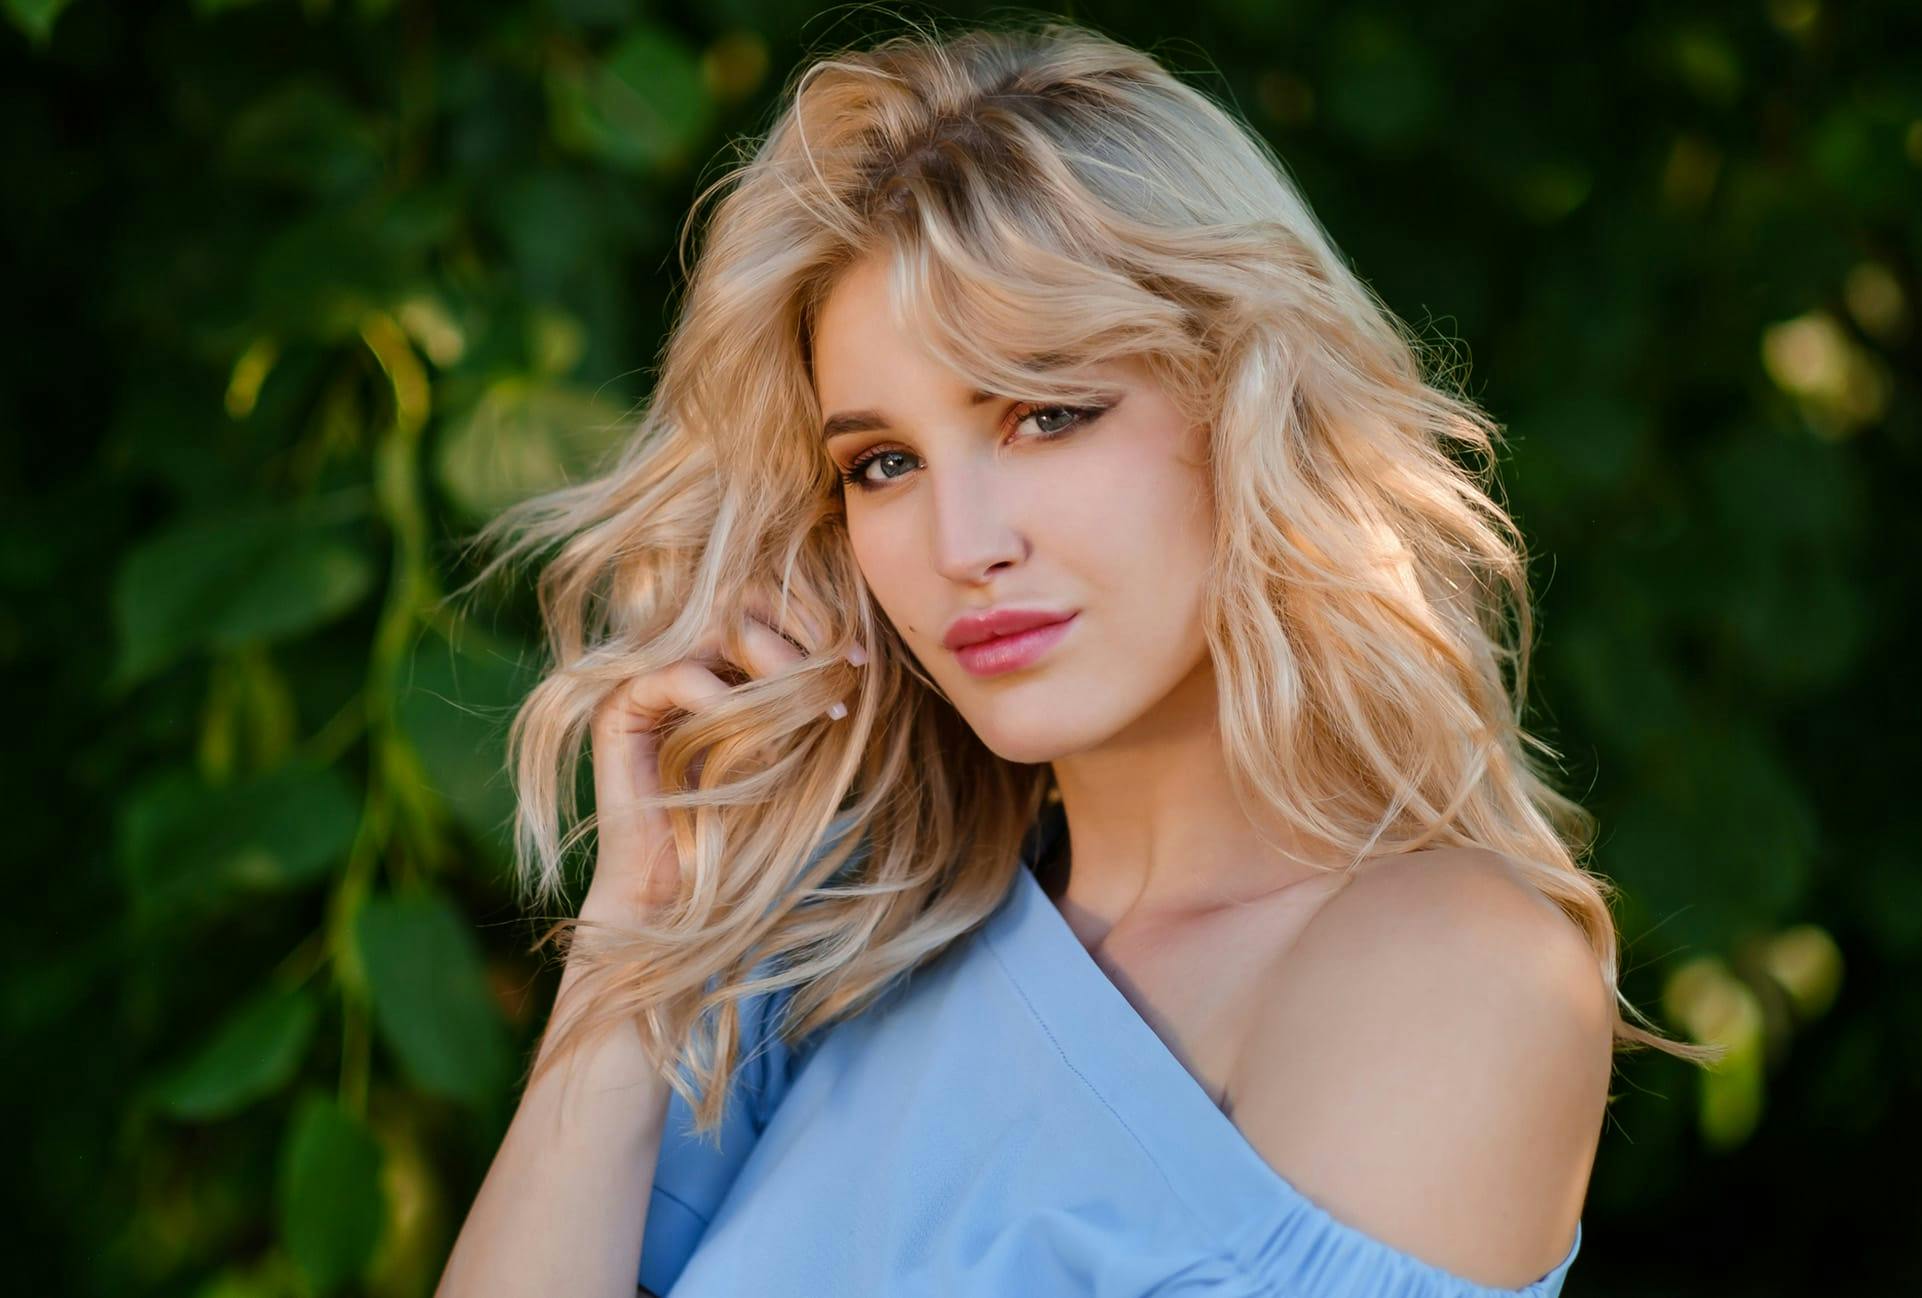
(683, 1205)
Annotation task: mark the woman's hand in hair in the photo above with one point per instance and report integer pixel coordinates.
(636, 866)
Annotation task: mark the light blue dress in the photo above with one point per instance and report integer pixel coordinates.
(1002, 1123)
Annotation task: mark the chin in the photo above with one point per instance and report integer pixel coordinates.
(1030, 734)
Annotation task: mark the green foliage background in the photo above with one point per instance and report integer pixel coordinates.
(300, 292)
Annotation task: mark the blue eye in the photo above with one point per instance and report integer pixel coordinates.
(855, 476)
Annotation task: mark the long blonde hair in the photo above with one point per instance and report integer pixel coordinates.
(1046, 197)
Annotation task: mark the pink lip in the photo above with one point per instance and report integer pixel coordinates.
(972, 628)
(1006, 653)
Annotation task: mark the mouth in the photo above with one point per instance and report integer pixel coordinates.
(1006, 653)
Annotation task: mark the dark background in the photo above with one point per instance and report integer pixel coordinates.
(298, 293)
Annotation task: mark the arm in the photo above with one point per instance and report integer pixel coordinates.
(563, 1206)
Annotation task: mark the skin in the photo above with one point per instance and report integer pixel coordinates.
(1421, 1046)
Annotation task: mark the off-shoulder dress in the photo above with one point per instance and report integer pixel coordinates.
(1002, 1123)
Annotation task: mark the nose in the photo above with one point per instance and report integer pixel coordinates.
(971, 522)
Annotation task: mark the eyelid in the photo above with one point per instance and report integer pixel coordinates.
(1018, 414)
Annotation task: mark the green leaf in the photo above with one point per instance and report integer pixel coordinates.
(185, 843)
(35, 18)
(643, 107)
(1383, 87)
(318, 275)
(455, 708)
(1717, 840)
(304, 135)
(233, 1282)
(271, 1274)
(431, 998)
(253, 574)
(331, 1203)
(595, 13)
(1577, 447)
(253, 1054)
(522, 438)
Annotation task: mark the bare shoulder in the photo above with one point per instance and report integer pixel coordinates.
(1430, 1064)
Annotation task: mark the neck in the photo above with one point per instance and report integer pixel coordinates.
(1153, 832)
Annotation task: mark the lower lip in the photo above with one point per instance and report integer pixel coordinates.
(1006, 653)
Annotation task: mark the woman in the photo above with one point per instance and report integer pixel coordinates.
(1063, 825)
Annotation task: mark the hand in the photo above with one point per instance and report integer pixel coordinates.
(636, 866)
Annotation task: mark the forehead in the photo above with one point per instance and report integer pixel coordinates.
(862, 284)
(856, 327)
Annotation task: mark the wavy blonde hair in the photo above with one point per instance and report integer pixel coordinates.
(1046, 198)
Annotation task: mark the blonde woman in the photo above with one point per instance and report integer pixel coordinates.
(1062, 821)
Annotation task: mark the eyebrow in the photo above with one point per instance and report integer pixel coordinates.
(861, 421)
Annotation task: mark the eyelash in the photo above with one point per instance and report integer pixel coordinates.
(1084, 415)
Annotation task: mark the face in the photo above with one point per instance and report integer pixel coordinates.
(961, 505)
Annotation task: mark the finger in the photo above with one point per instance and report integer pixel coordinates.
(767, 651)
(815, 635)
(687, 685)
(637, 704)
(800, 627)
(623, 748)
(770, 652)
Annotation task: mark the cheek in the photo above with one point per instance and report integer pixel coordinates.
(890, 563)
(1136, 504)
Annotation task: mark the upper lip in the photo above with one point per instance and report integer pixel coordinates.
(973, 628)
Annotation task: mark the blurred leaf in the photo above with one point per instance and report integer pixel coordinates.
(596, 13)
(253, 574)
(249, 1282)
(1610, 657)
(1888, 891)
(184, 843)
(162, 429)
(735, 64)
(524, 437)
(1549, 191)
(1714, 1006)
(431, 997)
(412, 1250)
(1382, 87)
(254, 1053)
(418, 221)
(643, 107)
(306, 136)
(36, 18)
(331, 1199)
(554, 222)
(318, 276)
(555, 342)
(455, 707)
(1718, 839)
(1706, 62)
(1577, 447)
(1807, 963)
(1770, 582)
(1856, 151)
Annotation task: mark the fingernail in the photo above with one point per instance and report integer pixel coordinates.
(837, 710)
(857, 655)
